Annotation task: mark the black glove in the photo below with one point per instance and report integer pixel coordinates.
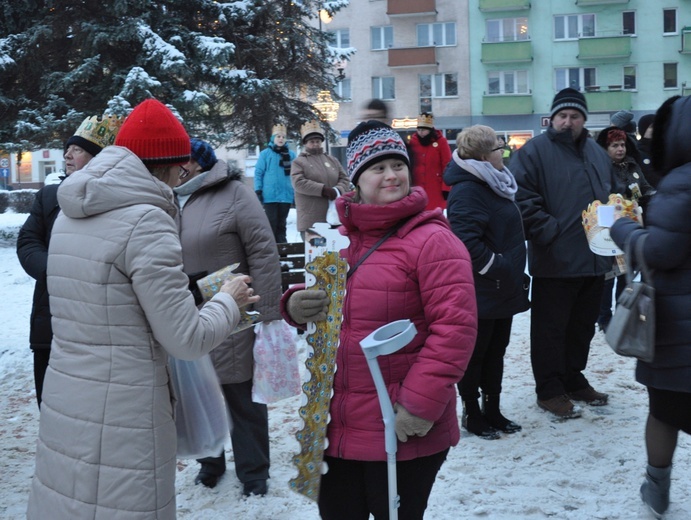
(445, 194)
(194, 289)
(260, 196)
(329, 193)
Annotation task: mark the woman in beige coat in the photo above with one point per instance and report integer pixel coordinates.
(314, 175)
(221, 223)
(107, 442)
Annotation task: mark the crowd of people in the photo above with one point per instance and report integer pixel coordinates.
(144, 210)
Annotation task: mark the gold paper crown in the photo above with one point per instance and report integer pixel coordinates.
(425, 121)
(626, 207)
(279, 129)
(311, 127)
(100, 132)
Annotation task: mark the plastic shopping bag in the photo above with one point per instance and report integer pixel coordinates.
(201, 414)
(332, 213)
(276, 368)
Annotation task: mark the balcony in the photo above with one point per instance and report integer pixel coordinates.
(412, 57)
(589, 3)
(507, 105)
(685, 40)
(410, 7)
(608, 100)
(604, 47)
(507, 52)
(504, 5)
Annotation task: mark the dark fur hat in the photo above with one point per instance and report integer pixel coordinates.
(658, 153)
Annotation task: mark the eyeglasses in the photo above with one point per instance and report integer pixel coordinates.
(497, 148)
(184, 172)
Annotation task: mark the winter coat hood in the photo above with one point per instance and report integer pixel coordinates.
(669, 148)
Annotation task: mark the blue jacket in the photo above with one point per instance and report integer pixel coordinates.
(270, 177)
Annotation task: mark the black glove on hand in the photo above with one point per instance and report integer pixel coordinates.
(308, 305)
(260, 196)
(194, 288)
(329, 193)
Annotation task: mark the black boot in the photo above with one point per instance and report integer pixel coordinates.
(475, 423)
(490, 409)
(211, 471)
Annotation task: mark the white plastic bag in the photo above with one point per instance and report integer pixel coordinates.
(332, 212)
(201, 414)
(276, 368)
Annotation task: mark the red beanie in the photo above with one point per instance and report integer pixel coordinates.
(155, 135)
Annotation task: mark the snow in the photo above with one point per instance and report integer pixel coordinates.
(587, 468)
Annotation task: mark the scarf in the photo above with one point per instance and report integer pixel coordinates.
(285, 157)
(501, 182)
(185, 190)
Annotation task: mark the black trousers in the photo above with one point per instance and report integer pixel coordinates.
(277, 213)
(486, 367)
(352, 489)
(249, 435)
(563, 315)
(41, 358)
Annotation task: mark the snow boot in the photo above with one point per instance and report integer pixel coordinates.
(474, 422)
(490, 409)
(655, 489)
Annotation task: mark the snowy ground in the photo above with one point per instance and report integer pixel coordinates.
(587, 468)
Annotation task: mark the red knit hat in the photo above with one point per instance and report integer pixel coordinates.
(155, 135)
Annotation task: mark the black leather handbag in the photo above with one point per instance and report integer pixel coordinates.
(631, 332)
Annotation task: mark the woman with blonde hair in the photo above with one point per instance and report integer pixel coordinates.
(483, 214)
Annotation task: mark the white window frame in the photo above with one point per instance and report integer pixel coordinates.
(343, 89)
(676, 73)
(385, 37)
(338, 38)
(676, 21)
(635, 23)
(569, 35)
(437, 84)
(635, 77)
(425, 34)
(503, 76)
(581, 78)
(513, 34)
(379, 87)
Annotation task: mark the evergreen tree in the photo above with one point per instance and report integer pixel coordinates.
(230, 70)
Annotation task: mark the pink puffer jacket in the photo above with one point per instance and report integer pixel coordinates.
(422, 273)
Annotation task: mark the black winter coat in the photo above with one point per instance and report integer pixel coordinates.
(32, 251)
(488, 225)
(667, 251)
(557, 179)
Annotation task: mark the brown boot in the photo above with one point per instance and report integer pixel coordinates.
(561, 406)
(590, 396)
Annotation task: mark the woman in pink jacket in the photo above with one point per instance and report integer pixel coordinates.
(422, 273)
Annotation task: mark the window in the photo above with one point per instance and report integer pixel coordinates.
(670, 75)
(339, 38)
(508, 82)
(507, 30)
(384, 88)
(574, 78)
(438, 85)
(382, 37)
(669, 17)
(630, 77)
(573, 26)
(436, 34)
(628, 22)
(342, 90)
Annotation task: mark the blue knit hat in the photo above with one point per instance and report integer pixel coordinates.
(203, 154)
(372, 141)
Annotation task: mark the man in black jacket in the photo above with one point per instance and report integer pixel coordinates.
(559, 173)
(32, 243)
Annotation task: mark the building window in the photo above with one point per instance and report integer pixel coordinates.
(382, 37)
(670, 75)
(507, 30)
(508, 82)
(342, 90)
(438, 85)
(436, 34)
(573, 26)
(384, 88)
(578, 78)
(339, 38)
(628, 19)
(669, 17)
(630, 77)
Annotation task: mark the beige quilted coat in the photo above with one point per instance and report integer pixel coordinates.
(120, 303)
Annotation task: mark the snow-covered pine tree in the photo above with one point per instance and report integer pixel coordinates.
(231, 70)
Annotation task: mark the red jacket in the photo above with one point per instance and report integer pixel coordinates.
(422, 273)
(429, 163)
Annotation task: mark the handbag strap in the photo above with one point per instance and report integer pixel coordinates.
(371, 250)
(639, 256)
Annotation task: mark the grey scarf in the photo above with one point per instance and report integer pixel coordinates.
(501, 182)
(185, 190)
